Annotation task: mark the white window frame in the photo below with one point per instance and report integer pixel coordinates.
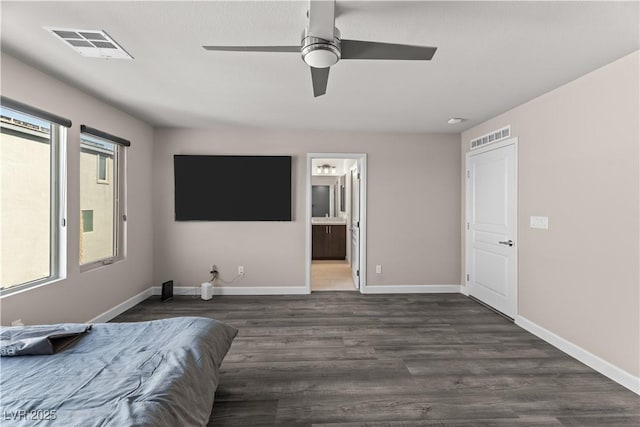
(58, 213)
(120, 216)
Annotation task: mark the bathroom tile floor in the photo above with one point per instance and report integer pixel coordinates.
(331, 276)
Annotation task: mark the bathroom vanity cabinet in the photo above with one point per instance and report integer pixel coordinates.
(329, 241)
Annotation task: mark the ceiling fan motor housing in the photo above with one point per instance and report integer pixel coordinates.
(320, 53)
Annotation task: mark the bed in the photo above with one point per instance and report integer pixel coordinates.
(157, 373)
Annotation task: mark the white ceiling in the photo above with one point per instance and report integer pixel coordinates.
(491, 57)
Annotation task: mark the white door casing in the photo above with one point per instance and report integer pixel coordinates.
(491, 226)
(355, 225)
(360, 246)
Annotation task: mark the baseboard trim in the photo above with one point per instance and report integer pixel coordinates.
(412, 289)
(464, 290)
(122, 307)
(605, 368)
(236, 290)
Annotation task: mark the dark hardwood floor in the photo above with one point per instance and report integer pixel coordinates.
(342, 358)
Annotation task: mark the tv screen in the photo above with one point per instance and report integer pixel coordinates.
(232, 188)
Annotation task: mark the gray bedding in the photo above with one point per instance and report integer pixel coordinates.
(42, 339)
(159, 373)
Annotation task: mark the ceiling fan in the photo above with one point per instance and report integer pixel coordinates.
(322, 47)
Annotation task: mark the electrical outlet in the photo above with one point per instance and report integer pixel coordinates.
(241, 270)
(378, 269)
(17, 322)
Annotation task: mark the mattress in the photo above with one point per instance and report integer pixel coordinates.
(157, 373)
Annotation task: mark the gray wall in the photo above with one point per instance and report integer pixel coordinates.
(83, 296)
(413, 209)
(579, 165)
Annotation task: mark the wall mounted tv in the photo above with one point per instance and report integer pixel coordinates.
(232, 188)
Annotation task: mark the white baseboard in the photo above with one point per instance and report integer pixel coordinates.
(605, 368)
(411, 289)
(236, 290)
(464, 290)
(122, 307)
(301, 290)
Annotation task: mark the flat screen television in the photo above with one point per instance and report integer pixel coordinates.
(232, 188)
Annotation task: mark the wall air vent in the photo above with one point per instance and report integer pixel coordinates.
(490, 138)
(90, 43)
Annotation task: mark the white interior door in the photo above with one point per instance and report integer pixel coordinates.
(491, 246)
(355, 225)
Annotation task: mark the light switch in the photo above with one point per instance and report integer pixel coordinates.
(539, 222)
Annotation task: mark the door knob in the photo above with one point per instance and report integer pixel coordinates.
(508, 243)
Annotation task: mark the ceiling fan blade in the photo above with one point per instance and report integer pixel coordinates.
(322, 18)
(358, 49)
(254, 48)
(319, 78)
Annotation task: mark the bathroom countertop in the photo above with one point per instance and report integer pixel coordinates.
(328, 221)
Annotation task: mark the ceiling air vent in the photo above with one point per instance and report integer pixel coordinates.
(490, 138)
(90, 43)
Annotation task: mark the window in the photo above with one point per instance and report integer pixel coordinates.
(87, 221)
(101, 200)
(102, 169)
(32, 238)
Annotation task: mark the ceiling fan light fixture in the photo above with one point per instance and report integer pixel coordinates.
(321, 48)
(320, 55)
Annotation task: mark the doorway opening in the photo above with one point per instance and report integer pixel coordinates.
(335, 221)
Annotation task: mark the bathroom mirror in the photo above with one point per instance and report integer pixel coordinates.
(320, 201)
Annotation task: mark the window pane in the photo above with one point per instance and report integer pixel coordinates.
(87, 221)
(25, 199)
(102, 168)
(98, 195)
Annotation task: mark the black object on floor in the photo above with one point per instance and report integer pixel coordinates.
(167, 291)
